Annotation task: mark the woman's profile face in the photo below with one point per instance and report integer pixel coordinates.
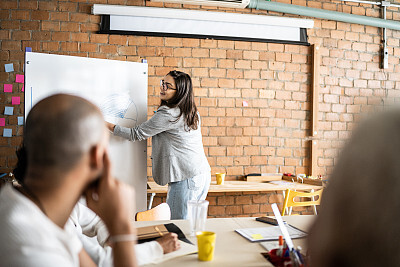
(167, 88)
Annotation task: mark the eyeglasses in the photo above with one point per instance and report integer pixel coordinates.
(165, 86)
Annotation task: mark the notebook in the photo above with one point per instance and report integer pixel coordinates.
(270, 233)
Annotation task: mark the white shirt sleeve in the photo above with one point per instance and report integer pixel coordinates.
(148, 252)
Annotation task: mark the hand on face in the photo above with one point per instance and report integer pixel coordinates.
(169, 242)
(112, 200)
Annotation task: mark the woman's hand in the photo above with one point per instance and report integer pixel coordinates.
(110, 126)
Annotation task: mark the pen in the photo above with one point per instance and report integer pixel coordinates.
(158, 230)
(299, 254)
(294, 257)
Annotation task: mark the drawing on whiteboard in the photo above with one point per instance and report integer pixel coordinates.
(119, 106)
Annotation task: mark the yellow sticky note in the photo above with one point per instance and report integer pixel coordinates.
(256, 236)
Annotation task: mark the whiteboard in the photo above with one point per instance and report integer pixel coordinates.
(118, 88)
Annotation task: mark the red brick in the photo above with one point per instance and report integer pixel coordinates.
(118, 39)
(142, 51)
(208, 43)
(218, 53)
(249, 209)
(10, 25)
(10, 45)
(29, 25)
(182, 52)
(176, 42)
(216, 210)
(59, 16)
(79, 17)
(61, 36)
(234, 54)
(21, 35)
(108, 49)
(68, 6)
(231, 210)
(226, 63)
(40, 15)
(87, 47)
(20, 14)
(69, 46)
(69, 26)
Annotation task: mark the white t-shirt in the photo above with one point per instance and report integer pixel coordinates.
(29, 238)
(93, 234)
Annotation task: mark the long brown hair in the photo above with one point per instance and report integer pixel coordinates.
(183, 99)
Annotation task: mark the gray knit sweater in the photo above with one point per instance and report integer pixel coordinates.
(177, 154)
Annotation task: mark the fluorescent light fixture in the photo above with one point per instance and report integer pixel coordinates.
(152, 21)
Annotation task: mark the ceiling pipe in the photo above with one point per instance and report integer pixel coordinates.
(323, 14)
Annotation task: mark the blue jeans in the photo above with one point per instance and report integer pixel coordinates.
(195, 188)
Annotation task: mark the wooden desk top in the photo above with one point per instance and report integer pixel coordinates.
(231, 249)
(242, 186)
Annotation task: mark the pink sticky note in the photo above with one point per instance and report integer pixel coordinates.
(245, 103)
(7, 88)
(23, 88)
(2, 122)
(15, 100)
(19, 78)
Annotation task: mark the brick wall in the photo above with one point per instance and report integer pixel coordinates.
(269, 134)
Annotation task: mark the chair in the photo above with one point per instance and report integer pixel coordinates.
(160, 212)
(290, 202)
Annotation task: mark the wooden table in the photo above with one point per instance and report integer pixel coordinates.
(238, 186)
(242, 186)
(231, 248)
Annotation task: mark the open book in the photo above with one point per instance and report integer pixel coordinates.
(149, 233)
(185, 249)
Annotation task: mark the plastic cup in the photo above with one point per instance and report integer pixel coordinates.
(220, 178)
(197, 215)
(206, 245)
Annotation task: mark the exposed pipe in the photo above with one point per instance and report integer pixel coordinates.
(385, 51)
(323, 14)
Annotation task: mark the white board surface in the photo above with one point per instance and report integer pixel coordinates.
(118, 88)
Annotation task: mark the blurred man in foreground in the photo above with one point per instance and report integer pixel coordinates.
(66, 141)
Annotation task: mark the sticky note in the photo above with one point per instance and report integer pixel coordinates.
(15, 100)
(8, 110)
(9, 67)
(23, 88)
(19, 78)
(28, 49)
(256, 236)
(21, 120)
(7, 132)
(2, 122)
(245, 103)
(7, 88)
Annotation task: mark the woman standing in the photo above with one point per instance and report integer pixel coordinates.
(178, 157)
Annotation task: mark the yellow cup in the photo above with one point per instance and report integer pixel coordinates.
(220, 178)
(206, 245)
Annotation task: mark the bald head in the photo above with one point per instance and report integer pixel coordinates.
(60, 129)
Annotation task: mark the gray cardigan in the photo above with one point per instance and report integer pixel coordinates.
(177, 154)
